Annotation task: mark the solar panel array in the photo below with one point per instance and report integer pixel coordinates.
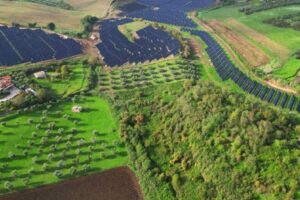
(227, 70)
(151, 44)
(169, 11)
(183, 5)
(163, 15)
(26, 45)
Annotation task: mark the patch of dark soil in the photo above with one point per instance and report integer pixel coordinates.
(114, 184)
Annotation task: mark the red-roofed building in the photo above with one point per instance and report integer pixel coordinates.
(5, 82)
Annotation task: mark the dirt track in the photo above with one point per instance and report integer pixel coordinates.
(115, 184)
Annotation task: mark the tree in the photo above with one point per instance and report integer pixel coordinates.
(86, 167)
(11, 155)
(88, 22)
(26, 181)
(8, 185)
(34, 160)
(32, 25)
(57, 173)
(51, 26)
(50, 156)
(60, 164)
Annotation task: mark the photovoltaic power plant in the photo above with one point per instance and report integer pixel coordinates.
(151, 44)
(167, 11)
(227, 70)
(163, 15)
(26, 45)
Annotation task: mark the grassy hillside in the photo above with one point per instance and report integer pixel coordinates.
(26, 12)
(201, 142)
(286, 37)
(53, 143)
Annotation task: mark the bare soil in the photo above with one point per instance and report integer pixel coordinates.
(252, 54)
(114, 184)
(274, 84)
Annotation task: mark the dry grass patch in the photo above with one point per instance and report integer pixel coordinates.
(281, 51)
(97, 8)
(253, 55)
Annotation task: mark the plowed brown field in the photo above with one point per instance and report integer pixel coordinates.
(114, 184)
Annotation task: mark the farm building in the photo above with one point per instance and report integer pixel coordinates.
(40, 75)
(76, 109)
(5, 83)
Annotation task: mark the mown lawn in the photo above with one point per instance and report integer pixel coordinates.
(75, 82)
(289, 70)
(93, 144)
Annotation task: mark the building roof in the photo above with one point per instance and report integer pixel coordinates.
(5, 82)
(40, 74)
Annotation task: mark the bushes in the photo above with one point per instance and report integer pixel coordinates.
(205, 137)
(286, 21)
(265, 5)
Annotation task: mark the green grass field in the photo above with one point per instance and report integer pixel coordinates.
(286, 37)
(74, 83)
(95, 136)
(289, 70)
(130, 29)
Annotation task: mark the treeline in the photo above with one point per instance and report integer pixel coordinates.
(53, 3)
(194, 140)
(286, 21)
(266, 5)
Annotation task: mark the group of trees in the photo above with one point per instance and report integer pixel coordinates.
(198, 141)
(266, 5)
(286, 21)
(51, 26)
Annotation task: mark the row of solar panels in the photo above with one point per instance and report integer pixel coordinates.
(183, 5)
(152, 44)
(226, 70)
(26, 45)
(164, 15)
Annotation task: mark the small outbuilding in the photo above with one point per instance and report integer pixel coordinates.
(76, 109)
(93, 37)
(40, 75)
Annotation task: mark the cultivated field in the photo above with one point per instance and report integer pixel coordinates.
(119, 183)
(147, 75)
